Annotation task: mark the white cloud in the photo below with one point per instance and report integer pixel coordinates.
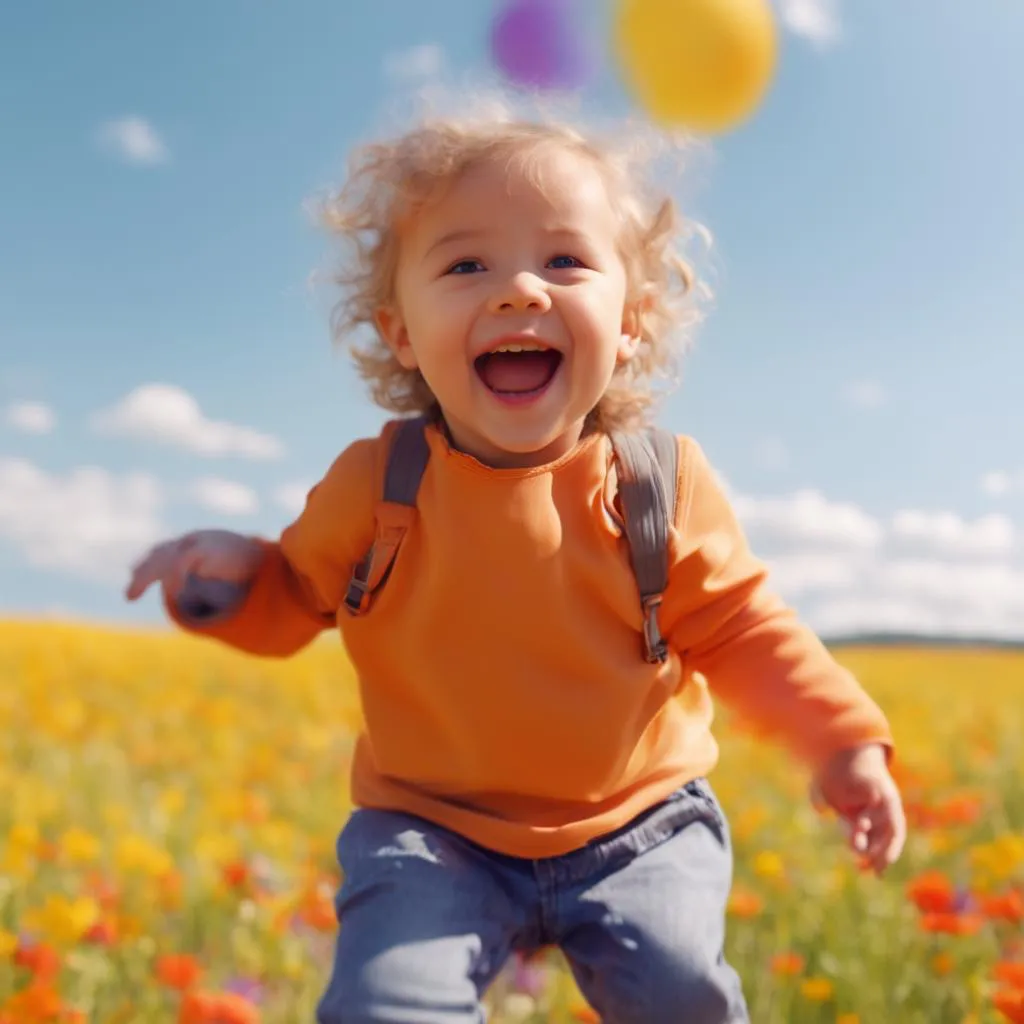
(226, 497)
(133, 139)
(417, 62)
(947, 533)
(930, 572)
(816, 20)
(988, 587)
(865, 394)
(906, 605)
(801, 573)
(996, 483)
(809, 519)
(852, 614)
(31, 417)
(292, 497)
(999, 483)
(164, 413)
(89, 522)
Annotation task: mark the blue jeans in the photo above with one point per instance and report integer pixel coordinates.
(428, 919)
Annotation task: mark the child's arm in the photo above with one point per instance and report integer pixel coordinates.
(751, 648)
(298, 581)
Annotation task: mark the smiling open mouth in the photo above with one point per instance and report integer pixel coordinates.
(514, 372)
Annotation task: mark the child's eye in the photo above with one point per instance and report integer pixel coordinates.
(564, 263)
(465, 267)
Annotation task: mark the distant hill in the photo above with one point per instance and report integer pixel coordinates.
(922, 640)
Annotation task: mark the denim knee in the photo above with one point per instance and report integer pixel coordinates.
(706, 998)
(643, 917)
(668, 987)
(424, 982)
(425, 923)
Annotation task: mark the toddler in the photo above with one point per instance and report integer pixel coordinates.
(537, 738)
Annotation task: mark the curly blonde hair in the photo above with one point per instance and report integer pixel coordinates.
(390, 180)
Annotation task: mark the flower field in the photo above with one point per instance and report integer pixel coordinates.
(169, 813)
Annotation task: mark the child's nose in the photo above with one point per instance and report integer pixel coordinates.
(521, 293)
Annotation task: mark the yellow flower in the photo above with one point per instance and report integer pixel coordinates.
(216, 848)
(847, 1018)
(171, 801)
(768, 864)
(1001, 858)
(817, 990)
(8, 943)
(139, 855)
(24, 836)
(61, 920)
(79, 846)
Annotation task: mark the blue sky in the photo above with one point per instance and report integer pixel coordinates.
(856, 383)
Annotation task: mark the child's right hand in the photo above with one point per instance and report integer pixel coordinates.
(209, 554)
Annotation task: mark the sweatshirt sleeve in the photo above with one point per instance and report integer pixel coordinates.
(303, 576)
(720, 615)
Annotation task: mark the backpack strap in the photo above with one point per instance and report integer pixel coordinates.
(407, 461)
(648, 469)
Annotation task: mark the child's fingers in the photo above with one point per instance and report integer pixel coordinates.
(168, 563)
(857, 831)
(883, 836)
(893, 837)
(879, 841)
(148, 571)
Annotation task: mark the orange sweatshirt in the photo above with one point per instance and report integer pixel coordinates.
(503, 685)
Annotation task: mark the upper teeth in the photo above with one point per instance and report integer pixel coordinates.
(520, 348)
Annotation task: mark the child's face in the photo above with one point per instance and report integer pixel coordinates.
(498, 262)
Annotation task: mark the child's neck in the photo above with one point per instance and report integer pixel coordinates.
(497, 458)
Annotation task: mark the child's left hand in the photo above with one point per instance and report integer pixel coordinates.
(857, 785)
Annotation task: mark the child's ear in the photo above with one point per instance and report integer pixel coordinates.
(392, 329)
(632, 326)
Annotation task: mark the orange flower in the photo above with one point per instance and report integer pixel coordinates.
(235, 874)
(943, 964)
(932, 893)
(962, 809)
(952, 924)
(103, 932)
(178, 970)
(39, 1001)
(1007, 907)
(787, 964)
(1011, 972)
(1010, 1003)
(217, 1008)
(745, 903)
(317, 911)
(42, 960)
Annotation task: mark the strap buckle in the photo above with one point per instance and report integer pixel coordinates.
(358, 588)
(655, 647)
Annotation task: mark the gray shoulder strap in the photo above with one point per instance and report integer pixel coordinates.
(407, 461)
(648, 471)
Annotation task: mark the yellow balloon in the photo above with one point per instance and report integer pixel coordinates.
(699, 64)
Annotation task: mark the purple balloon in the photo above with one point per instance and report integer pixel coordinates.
(543, 44)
